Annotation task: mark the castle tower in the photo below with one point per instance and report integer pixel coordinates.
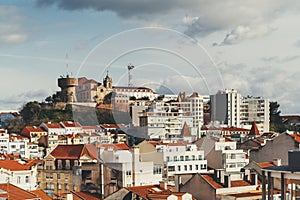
(107, 82)
(68, 85)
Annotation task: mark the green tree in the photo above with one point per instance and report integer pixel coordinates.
(30, 112)
(275, 118)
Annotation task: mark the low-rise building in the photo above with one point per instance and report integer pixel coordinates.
(19, 173)
(69, 168)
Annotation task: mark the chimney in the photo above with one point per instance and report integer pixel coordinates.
(163, 185)
(227, 181)
(216, 177)
(247, 175)
(277, 161)
(221, 175)
(254, 180)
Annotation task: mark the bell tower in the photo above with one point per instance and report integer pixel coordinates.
(107, 82)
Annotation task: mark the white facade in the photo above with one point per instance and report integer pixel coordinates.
(134, 172)
(18, 145)
(137, 92)
(182, 159)
(25, 179)
(164, 121)
(51, 129)
(192, 106)
(225, 107)
(255, 109)
(232, 159)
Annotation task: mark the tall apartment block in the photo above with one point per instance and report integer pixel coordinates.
(225, 107)
(255, 109)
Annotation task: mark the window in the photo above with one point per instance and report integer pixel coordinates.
(191, 167)
(26, 179)
(197, 167)
(76, 163)
(168, 158)
(59, 164)
(66, 186)
(59, 186)
(178, 168)
(181, 158)
(18, 180)
(128, 173)
(185, 167)
(175, 158)
(58, 175)
(186, 158)
(67, 164)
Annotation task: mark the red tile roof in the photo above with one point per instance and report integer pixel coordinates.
(143, 191)
(265, 164)
(112, 126)
(73, 152)
(14, 165)
(211, 181)
(86, 196)
(254, 130)
(15, 193)
(296, 137)
(70, 124)
(31, 129)
(52, 125)
(238, 183)
(185, 132)
(41, 194)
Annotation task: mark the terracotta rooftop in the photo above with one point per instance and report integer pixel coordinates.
(296, 137)
(31, 129)
(143, 191)
(112, 126)
(70, 124)
(13, 192)
(265, 164)
(74, 152)
(185, 132)
(165, 195)
(52, 125)
(86, 196)
(238, 183)
(254, 130)
(41, 194)
(120, 146)
(14, 165)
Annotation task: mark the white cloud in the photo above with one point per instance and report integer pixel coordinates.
(187, 20)
(241, 33)
(11, 30)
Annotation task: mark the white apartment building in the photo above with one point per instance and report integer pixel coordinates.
(225, 107)
(134, 172)
(137, 92)
(71, 127)
(164, 121)
(221, 153)
(192, 106)
(19, 173)
(255, 109)
(53, 128)
(181, 158)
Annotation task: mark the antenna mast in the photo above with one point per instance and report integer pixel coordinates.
(67, 64)
(130, 67)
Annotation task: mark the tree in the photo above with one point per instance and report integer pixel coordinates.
(30, 112)
(275, 118)
(49, 99)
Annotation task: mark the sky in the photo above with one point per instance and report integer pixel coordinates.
(205, 45)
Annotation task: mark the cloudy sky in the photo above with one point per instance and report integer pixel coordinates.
(204, 45)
